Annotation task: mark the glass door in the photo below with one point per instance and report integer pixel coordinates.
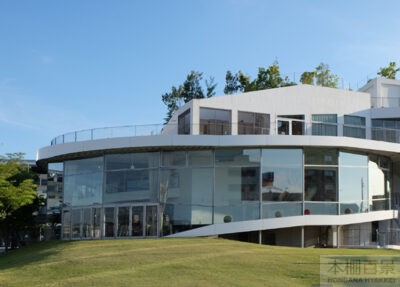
(151, 220)
(137, 221)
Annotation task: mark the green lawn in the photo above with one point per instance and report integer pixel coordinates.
(165, 262)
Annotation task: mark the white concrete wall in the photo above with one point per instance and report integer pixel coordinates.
(384, 92)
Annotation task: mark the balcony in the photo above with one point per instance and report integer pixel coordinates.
(279, 127)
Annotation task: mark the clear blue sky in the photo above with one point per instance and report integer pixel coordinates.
(72, 65)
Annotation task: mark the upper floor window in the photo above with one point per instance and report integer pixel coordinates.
(253, 123)
(290, 124)
(324, 125)
(386, 130)
(215, 122)
(184, 123)
(354, 126)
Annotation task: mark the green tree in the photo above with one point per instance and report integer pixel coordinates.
(308, 78)
(232, 83)
(321, 76)
(267, 78)
(17, 192)
(189, 90)
(389, 72)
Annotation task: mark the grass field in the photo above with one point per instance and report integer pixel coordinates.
(165, 262)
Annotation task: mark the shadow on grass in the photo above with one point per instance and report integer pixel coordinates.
(30, 254)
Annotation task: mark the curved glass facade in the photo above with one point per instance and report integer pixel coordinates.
(161, 193)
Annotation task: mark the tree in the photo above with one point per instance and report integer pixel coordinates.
(189, 90)
(307, 78)
(321, 76)
(266, 79)
(232, 83)
(389, 72)
(17, 192)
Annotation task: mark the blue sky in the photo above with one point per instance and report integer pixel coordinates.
(73, 65)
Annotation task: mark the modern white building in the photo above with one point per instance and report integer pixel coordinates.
(299, 166)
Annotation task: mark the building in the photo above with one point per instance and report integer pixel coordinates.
(298, 166)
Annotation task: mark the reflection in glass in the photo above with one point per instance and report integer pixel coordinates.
(324, 125)
(184, 123)
(131, 185)
(320, 184)
(200, 158)
(132, 161)
(281, 209)
(253, 123)
(66, 226)
(353, 207)
(320, 156)
(237, 157)
(215, 122)
(282, 174)
(83, 181)
(87, 223)
(174, 158)
(236, 192)
(353, 184)
(185, 198)
(320, 208)
(354, 126)
(96, 217)
(76, 223)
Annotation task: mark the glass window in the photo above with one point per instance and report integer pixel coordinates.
(83, 181)
(109, 222)
(215, 121)
(185, 198)
(174, 158)
(87, 223)
(354, 126)
(151, 220)
(123, 221)
(353, 159)
(379, 183)
(320, 184)
(137, 221)
(76, 223)
(131, 185)
(66, 226)
(96, 217)
(236, 194)
(200, 158)
(235, 157)
(88, 165)
(320, 156)
(184, 123)
(353, 182)
(132, 161)
(324, 125)
(282, 174)
(290, 124)
(253, 123)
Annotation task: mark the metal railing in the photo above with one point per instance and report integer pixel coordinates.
(293, 127)
(108, 132)
(385, 102)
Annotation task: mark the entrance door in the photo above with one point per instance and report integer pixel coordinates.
(137, 221)
(144, 220)
(151, 220)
